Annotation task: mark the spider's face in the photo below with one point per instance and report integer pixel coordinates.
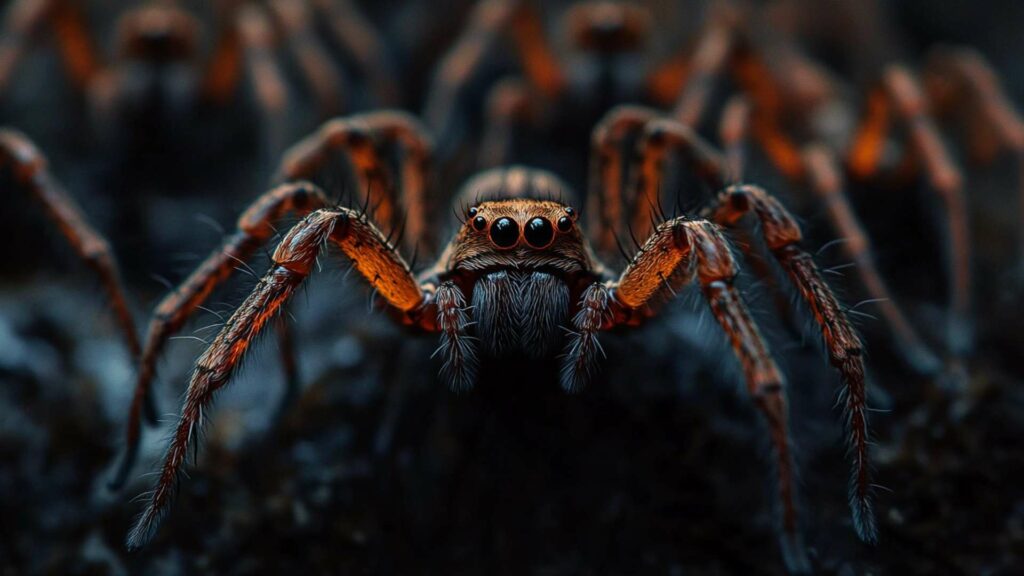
(521, 260)
(521, 234)
(158, 33)
(608, 26)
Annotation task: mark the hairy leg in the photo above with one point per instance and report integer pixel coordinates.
(782, 236)
(457, 349)
(679, 251)
(825, 180)
(359, 137)
(254, 229)
(29, 171)
(660, 139)
(606, 212)
(293, 260)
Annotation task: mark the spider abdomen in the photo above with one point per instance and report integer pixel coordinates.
(519, 312)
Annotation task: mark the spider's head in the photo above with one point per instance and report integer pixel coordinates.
(608, 26)
(158, 33)
(518, 218)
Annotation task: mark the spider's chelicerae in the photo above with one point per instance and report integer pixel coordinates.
(520, 277)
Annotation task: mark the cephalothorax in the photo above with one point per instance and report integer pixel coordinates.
(518, 278)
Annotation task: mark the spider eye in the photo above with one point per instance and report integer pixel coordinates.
(505, 232)
(539, 233)
(479, 222)
(570, 212)
(564, 224)
(471, 212)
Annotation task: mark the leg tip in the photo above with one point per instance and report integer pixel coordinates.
(794, 554)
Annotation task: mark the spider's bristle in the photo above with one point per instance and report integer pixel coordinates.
(622, 249)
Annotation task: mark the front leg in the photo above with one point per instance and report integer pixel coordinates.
(293, 261)
(680, 251)
(255, 227)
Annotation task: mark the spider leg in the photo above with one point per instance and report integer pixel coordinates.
(605, 211)
(358, 136)
(868, 144)
(223, 69)
(363, 43)
(666, 81)
(946, 182)
(782, 236)
(28, 168)
(286, 347)
(256, 36)
(293, 261)
(712, 56)
(26, 20)
(825, 179)
(664, 136)
(660, 138)
(767, 100)
(457, 349)
(255, 227)
(488, 22)
(961, 75)
(508, 105)
(679, 251)
(295, 22)
(733, 129)
(959, 80)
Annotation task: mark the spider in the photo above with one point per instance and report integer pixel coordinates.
(519, 269)
(158, 72)
(24, 165)
(605, 61)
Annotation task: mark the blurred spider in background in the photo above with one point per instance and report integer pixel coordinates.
(167, 74)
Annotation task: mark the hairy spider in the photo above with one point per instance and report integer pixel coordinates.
(158, 69)
(519, 270)
(24, 166)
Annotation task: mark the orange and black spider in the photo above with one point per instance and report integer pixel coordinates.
(159, 68)
(519, 277)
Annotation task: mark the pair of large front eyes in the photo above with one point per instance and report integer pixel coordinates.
(538, 232)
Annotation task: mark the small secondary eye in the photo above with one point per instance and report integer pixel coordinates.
(479, 222)
(505, 233)
(471, 212)
(571, 212)
(539, 233)
(564, 224)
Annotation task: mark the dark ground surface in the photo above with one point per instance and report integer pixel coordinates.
(660, 466)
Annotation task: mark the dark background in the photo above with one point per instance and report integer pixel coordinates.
(660, 466)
